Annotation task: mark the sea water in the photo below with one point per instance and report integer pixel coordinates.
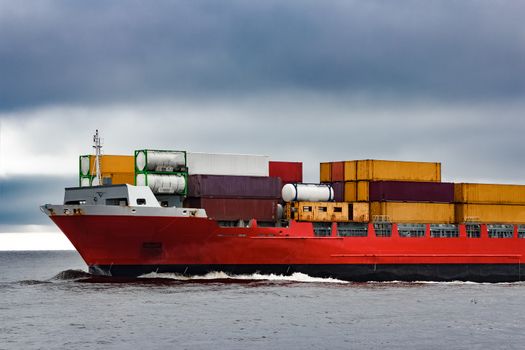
(49, 301)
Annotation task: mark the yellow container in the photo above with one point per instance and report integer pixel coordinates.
(489, 193)
(327, 211)
(325, 172)
(425, 213)
(362, 191)
(490, 213)
(318, 211)
(356, 191)
(373, 170)
(351, 191)
(110, 164)
(360, 212)
(350, 170)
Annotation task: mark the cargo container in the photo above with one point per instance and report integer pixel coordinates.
(109, 164)
(327, 211)
(360, 212)
(339, 191)
(289, 172)
(490, 213)
(489, 193)
(371, 170)
(411, 191)
(350, 191)
(337, 171)
(233, 209)
(224, 186)
(399, 191)
(325, 172)
(402, 212)
(356, 191)
(227, 164)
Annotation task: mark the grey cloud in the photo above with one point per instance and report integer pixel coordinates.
(22, 196)
(55, 52)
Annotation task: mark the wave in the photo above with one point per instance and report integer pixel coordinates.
(67, 275)
(222, 276)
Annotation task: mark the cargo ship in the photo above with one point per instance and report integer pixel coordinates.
(366, 220)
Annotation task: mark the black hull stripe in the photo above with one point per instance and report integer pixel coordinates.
(347, 272)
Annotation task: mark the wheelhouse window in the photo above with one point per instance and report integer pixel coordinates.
(79, 202)
(473, 230)
(141, 201)
(411, 230)
(500, 231)
(117, 201)
(352, 229)
(444, 231)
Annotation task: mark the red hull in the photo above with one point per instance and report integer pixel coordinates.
(125, 240)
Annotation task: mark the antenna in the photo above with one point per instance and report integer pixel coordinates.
(97, 145)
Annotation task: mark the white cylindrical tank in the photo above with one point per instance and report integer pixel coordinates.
(85, 182)
(84, 165)
(159, 160)
(172, 184)
(307, 193)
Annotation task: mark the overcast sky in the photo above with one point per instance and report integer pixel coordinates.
(297, 80)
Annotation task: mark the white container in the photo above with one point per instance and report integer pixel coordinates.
(307, 193)
(170, 184)
(227, 164)
(159, 160)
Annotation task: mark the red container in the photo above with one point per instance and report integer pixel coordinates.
(339, 191)
(411, 191)
(338, 171)
(229, 209)
(224, 186)
(288, 171)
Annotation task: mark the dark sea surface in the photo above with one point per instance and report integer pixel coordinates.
(47, 302)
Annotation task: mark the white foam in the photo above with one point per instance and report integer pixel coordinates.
(295, 277)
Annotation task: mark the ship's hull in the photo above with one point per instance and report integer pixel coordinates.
(133, 245)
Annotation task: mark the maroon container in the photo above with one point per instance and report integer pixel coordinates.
(337, 171)
(339, 191)
(410, 191)
(289, 172)
(223, 186)
(230, 209)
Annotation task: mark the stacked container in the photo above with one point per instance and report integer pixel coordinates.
(232, 187)
(227, 164)
(398, 190)
(115, 170)
(165, 172)
(288, 172)
(490, 203)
